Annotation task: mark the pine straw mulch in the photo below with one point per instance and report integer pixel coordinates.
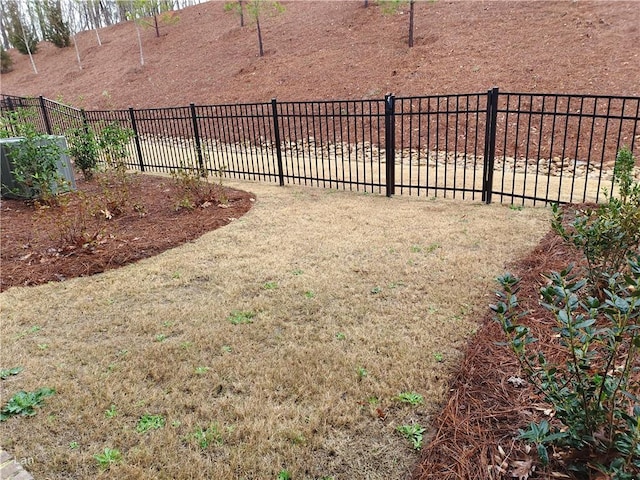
(41, 245)
(474, 437)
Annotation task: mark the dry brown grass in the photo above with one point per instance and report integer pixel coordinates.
(402, 279)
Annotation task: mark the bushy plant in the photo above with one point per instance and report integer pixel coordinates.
(609, 234)
(113, 141)
(34, 166)
(195, 189)
(17, 122)
(594, 391)
(593, 387)
(84, 149)
(6, 62)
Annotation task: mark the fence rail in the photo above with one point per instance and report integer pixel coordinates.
(513, 147)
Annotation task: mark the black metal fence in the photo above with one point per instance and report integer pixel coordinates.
(514, 147)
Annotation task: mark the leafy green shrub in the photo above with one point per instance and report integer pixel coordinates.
(594, 393)
(609, 234)
(34, 166)
(84, 149)
(113, 141)
(6, 62)
(17, 123)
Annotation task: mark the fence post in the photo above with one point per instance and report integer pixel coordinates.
(490, 144)
(196, 136)
(276, 130)
(45, 116)
(136, 138)
(390, 142)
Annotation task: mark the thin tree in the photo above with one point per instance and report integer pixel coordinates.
(27, 46)
(392, 6)
(4, 27)
(258, 8)
(236, 7)
(411, 13)
(137, 27)
(19, 36)
(92, 10)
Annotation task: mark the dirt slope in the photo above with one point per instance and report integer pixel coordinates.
(341, 50)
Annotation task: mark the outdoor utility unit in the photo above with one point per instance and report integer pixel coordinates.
(10, 188)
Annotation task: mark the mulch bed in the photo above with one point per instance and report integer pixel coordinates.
(485, 410)
(44, 244)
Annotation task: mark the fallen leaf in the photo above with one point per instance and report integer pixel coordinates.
(517, 381)
(522, 469)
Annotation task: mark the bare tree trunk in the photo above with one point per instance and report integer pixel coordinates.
(155, 21)
(241, 13)
(94, 14)
(259, 37)
(411, 12)
(137, 27)
(75, 44)
(139, 42)
(26, 44)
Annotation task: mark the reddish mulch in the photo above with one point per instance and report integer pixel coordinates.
(36, 243)
(484, 410)
(340, 50)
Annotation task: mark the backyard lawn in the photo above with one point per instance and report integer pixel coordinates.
(313, 336)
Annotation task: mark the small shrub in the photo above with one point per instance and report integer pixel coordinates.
(84, 149)
(594, 390)
(113, 141)
(34, 166)
(6, 62)
(15, 123)
(609, 234)
(195, 189)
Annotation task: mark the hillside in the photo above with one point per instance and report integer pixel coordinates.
(341, 50)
